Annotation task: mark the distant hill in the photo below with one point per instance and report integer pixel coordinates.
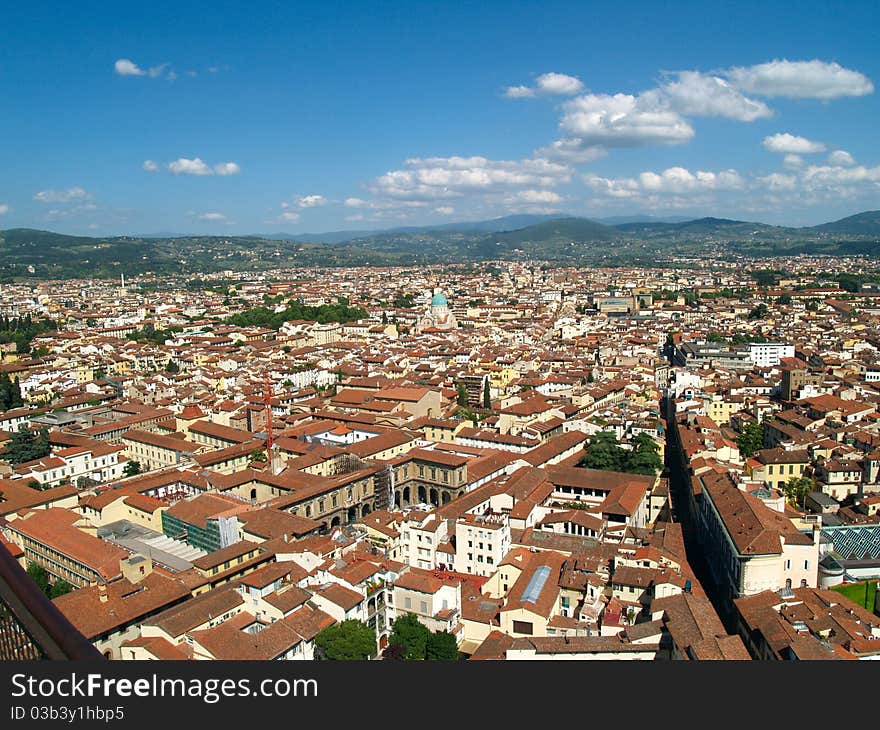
(328, 237)
(568, 230)
(861, 224)
(27, 252)
(617, 220)
(505, 223)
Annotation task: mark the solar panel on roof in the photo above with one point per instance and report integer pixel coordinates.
(536, 584)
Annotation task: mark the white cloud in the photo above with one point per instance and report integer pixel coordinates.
(438, 178)
(672, 181)
(519, 92)
(801, 79)
(571, 150)
(227, 168)
(289, 216)
(312, 201)
(698, 94)
(357, 217)
(792, 144)
(619, 188)
(4, 209)
(549, 83)
(623, 120)
(779, 182)
(71, 195)
(124, 67)
(793, 162)
(841, 158)
(355, 202)
(150, 166)
(212, 217)
(197, 166)
(831, 176)
(127, 67)
(536, 196)
(184, 166)
(445, 210)
(681, 180)
(554, 83)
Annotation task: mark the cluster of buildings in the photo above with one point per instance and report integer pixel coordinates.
(224, 491)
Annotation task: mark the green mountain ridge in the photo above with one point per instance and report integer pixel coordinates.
(34, 253)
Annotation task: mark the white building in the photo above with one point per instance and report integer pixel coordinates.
(769, 354)
(481, 542)
(420, 537)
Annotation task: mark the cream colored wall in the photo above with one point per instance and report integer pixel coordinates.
(539, 623)
(505, 575)
(118, 510)
(476, 631)
(798, 555)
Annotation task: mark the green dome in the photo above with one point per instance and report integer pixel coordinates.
(438, 300)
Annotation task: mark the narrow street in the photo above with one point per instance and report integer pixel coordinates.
(679, 495)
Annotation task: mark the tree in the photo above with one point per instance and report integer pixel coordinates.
(59, 588)
(40, 576)
(26, 445)
(765, 277)
(796, 490)
(784, 299)
(409, 633)
(644, 457)
(603, 452)
(393, 652)
(442, 646)
(751, 439)
(10, 393)
(487, 394)
(759, 312)
(132, 468)
(350, 640)
(642, 462)
(172, 367)
(462, 394)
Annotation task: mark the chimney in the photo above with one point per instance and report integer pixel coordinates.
(102, 592)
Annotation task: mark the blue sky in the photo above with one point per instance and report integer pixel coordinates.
(266, 117)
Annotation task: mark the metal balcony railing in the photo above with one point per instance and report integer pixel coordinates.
(31, 626)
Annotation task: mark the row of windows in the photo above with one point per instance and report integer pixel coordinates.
(489, 559)
(782, 468)
(423, 605)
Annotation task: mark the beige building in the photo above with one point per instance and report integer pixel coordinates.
(156, 451)
(752, 548)
(436, 602)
